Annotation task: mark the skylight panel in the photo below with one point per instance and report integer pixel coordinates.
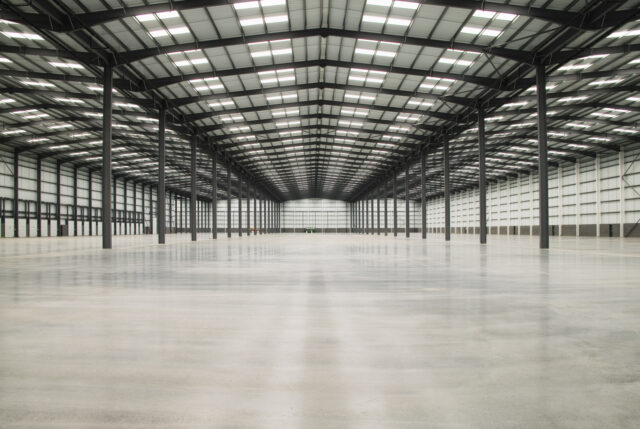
(277, 76)
(12, 132)
(64, 65)
(207, 84)
(173, 31)
(498, 16)
(625, 131)
(378, 19)
(410, 117)
(239, 129)
(60, 126)
(436, 84)
(20, 35)
(39, 140)
(399, 129)
(5, 60)
(290, 133)
(256, 4)
(479, 31)
(347, 133)
(372, 77)
(632, 99)
(152, 17)
(282, 98)
(272, 19)
(454, 62)
(360, 97)
(349, 111)
(270, 49)
(37, 83)
(625, 33)
(287, 124)
(188, 58)
(7, 100)
(516, 104)
(605, 82)
(69, 100)
(581, 125)
(419, 102)
(376, 48)
(127, 106)
(349, 123)
(221, 104)
(231, 118)
(290, 111)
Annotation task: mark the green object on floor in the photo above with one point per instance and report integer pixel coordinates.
(310, 230)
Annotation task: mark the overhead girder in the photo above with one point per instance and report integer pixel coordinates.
(319, 123)
(247, 147)
(157, 83)
(87, 19)
(206, 115)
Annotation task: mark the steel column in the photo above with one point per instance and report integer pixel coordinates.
(228, 202)
(124, 196)
(255, 211)
(378, 212)
(161, 209)
(16, 169)
(482, 177)
(75, 201)
(214, 195)
(193, 216)
(395, 207)
(248, 210)
(58, 205)
(543, 180)
(447, 192)
(107, 100)
(423, 191)
(386, 217)
(39, 196)
(240, 207)
(407, 218)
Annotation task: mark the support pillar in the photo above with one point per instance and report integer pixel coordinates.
(407, 218)
(255, 211)
(248, 211)
(378, 212)
(58, 205)
(39, 197)
(482, 178)
(193, 219)
(386, 217)
(214, 195)
(543, 173)
(161, 210)
(16, 181)
(228, 202)
(240, 206)
(107, 99)
(447, 192)
(423, 191)
(75, 201)
(395, 206)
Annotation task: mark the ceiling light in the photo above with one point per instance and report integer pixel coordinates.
(633, 99)
(191, 62)
(222, 103)
(516, 104)
(7, 100)
(60, 126)
(625, 130)
(5, 60)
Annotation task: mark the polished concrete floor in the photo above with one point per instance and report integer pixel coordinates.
(319, 331)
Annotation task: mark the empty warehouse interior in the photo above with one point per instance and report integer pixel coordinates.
(319, 214)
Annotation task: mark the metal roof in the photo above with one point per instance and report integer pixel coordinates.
(319, 98)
